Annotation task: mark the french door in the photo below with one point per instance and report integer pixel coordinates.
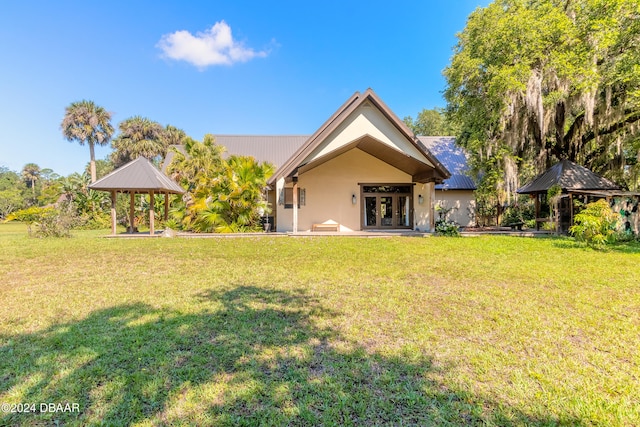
(386, 206)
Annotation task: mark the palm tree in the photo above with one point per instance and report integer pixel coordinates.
(138, 136)
(85, 122)
(30, 174)
(173, 136)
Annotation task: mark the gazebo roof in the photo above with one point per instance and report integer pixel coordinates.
(569, 176)
(139, 176)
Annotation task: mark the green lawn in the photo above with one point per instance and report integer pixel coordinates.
(319, 331)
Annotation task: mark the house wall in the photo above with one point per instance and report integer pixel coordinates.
(367, 120)
(422, 212)
(463, 203)
(329, 189)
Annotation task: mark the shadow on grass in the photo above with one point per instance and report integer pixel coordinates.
(249, 356)
(631, 247)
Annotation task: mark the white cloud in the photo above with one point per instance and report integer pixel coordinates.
(212, 47)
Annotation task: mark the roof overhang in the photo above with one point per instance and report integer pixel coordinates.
(419, 170)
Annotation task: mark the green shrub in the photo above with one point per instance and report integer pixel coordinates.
(47, 221)
(521, 211)
(30, 216)
(595, 224)
(56, 223)
(446, 228)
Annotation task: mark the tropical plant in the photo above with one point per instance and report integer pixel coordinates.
(196, 166)
(595, 224)
(138, 136)
(91, 206)
(85, 122)
(173, 136)
(30, 174)
(222, 195)
(239, 204)
(533, 82)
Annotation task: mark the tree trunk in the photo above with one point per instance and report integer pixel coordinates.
(92, 163)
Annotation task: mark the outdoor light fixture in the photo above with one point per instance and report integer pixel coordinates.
(420, 199)
(353, 199)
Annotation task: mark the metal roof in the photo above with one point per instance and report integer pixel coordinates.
(453, 158)
(275, 149)
(569, 176)
(139, 175)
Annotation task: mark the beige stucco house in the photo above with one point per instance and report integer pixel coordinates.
(363, 169)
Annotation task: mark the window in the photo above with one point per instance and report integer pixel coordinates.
(386, 189)
(288, 197)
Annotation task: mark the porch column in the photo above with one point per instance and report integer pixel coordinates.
(132, 209)
(152, 214)
(432, 210)
(113, 212)
(295, 205)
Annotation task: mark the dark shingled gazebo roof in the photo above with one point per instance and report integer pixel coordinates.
(139, 176)
(569, 176)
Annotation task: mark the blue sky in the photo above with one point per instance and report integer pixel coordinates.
(221, 67)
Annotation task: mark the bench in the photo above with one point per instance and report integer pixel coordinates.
(517, 225)
(325, 227)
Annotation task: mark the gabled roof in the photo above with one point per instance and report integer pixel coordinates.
(454, 158)
(569, 176)
(299, 158)
(139, 175)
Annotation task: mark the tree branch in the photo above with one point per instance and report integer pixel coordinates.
(613, 128)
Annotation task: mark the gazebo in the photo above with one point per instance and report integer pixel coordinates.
(142, 177)
(573, 180)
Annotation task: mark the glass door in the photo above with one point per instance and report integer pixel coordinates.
(403, 211)
(386, 206)
(386, 211)
(370, 211)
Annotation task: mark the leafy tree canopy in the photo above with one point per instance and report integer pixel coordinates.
(431, 123)
(532, 82)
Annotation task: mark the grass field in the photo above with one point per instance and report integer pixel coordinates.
(318, 331)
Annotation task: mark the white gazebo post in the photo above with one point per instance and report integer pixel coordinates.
(113, 212)
(295, 205)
